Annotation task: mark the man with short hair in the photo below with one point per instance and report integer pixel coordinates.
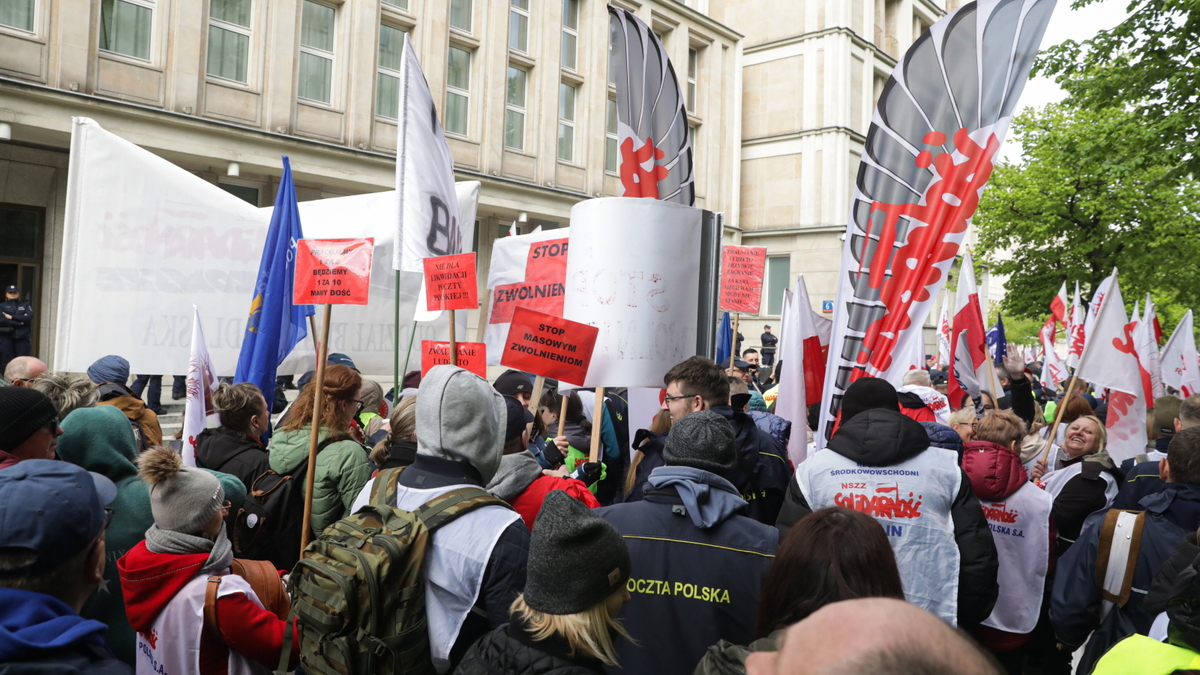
(52, 557)
(516, 384)
(28, 426)
(23, 370)
(769, 342)
(1142, 474)
(1076, 605)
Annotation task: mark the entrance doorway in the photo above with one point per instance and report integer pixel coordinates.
(21, 229)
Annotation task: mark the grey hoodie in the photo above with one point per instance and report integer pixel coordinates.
(460, 417)
(517, 472)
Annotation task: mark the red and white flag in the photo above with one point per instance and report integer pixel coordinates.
(1180, 366)
(1094, 306)
(943, 336)
(201, 384)
(1058, 306)
(1075, 327)
(1110, 362)
(1147, 352)
(1053, 368)
(804, 340)
(968, 340)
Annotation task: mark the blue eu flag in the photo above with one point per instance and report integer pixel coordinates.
(275, 325)
(724, 341)
(996, 341)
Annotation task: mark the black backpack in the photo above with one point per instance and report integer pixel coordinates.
(268, 523)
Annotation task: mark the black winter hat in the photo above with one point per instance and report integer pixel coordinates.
(518, 418)
(869, 393)
(22, 412)
(576, 559)
(513, 382)
(701, 440)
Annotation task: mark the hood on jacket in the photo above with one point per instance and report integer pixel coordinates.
(942, 436)
(150, 580)
(99, 439)
(879, 437)
(995, 471)
(35, 625)
(220, 445)
(909, 399)
(516, 473)
(461, 418)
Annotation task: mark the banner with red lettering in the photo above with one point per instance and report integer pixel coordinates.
(333, 271)
(742, 277)
(528, 270)
(472, 356)
(450, 282)
(544, 344)
(941, 119)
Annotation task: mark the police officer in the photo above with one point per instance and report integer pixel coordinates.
(697, 563)
(16, 317)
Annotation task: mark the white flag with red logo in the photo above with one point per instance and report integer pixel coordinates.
(1058, 306)
(968, 340)
(1075, 327)
(1110, 362)
(1179, 365)
(928, 155)
(1053, 368)
(804, 339)
(1094, 306)
(943, 337)
(201, 384)
(1147, 352)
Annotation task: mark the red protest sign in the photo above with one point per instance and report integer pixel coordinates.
(333, 271)
(544, 344)
(450, 282)
(472, 356)
(544, 288)
(742, 277)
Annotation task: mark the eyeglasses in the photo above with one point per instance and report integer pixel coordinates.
(361, 405)
(672, 398)
(52, 425)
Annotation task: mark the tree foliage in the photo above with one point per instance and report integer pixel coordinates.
(1084, 201)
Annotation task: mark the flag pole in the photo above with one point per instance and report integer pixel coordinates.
(453, 341)
(310, 474)
(408, 354)
(396, 347)
(733, 353)
(483, 318)
(562, 413)
(539, 383)
(597, 418)
(1058, 413)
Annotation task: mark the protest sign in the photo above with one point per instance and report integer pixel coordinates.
(547, 345)
(527, 271)
(632, 273)
(742, 277)
(450, 282)
(333, 271)
(472, 356)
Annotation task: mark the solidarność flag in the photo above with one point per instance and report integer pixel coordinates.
(1179, 363)
(1075, 330)
(968, 341)
(201, 385)
(939, 124)
(653, 138)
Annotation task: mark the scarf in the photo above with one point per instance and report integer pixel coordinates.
(708, 498)
(168, 541)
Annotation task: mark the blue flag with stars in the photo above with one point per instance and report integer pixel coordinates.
(997, 343)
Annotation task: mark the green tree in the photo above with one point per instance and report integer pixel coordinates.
(1082, 202)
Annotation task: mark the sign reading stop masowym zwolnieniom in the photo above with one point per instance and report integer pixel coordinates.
(450, 282)
(333, 271)
(544, 344)
(742, 277)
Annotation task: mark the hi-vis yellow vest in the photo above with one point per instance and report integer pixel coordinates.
(1141, 655)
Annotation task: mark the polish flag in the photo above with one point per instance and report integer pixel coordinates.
(1180, 366)
(1058, 306)
(1151, 318)
(1054, 370)
(804, 339)
(201, 384)
(1110, 362)
(1094, 307)
(1147, 351)
(968, 340)
(943, 337)
(1075, 330)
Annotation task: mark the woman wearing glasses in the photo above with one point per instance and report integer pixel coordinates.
(343, 466)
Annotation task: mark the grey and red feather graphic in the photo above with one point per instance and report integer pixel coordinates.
(939, 124)
(653, 138)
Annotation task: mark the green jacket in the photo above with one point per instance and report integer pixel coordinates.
(343, 468)
(100, 440)
(1141, 655)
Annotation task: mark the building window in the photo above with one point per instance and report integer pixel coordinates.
(402, 4)
(570, 34)
(460, 14)
(125, 27)
(316, 51)
(610, 137)
(17, 14)
(229, 39)
(458, 91)
(514, 113)
(779, 271)
(566, 122)
(693, 73)
(518, 25)
(243, 192)
(387, 82)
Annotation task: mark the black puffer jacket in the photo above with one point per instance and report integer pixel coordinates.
(880, 437)
(231, 452)
(512, 651)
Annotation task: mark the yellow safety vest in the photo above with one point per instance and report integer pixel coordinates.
(1141, 655)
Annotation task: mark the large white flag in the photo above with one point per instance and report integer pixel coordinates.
(1053, 368)
(943, 335)
(1093, 309)
(1179, 367)
(806, 336)
(201, 383)
(1110, 362)
(1147, 352)
(1075, 327)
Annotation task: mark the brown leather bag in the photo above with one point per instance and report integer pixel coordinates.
(263, 579)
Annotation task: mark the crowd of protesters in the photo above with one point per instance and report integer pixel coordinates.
(928, 536)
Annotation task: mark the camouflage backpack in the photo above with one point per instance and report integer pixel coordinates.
(359, 590)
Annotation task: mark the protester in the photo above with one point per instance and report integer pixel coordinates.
(1170, 515)
(151, 386)
(698, 563)
(768, 341)
(22, 371)
(743, 369)
(942, 436)
(779, 428)
(1033, 444)
(476, 565)
(962, 421)
(110, 373)
(578, 431)
(67, 393)
(1019, 516)
(1084, 479)
(234, 447)
(52, 556)
(342, 467)
(516, 384)
(369, 419)
(399, 447)
(876, 636)
(831, 555)
(165, 579)
(16, 321)
(1073, 408)
(28, 426)
(1142, 472)
(565, 622)
(920, 401)
(941, 538)
(654, 437)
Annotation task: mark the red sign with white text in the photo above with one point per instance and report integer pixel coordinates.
(472, 356)
(333, 271)
(544, 344)
(450, 282)
(742, 277)
(544, 288)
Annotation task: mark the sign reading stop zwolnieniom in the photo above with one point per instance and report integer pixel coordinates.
(333, 271)
(544, 344)
(742, 277)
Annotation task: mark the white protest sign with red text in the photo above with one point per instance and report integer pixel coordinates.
(450, 282)
(333, 271)
(548, 345)
(742, 277)
(472, 356)
(527, 270)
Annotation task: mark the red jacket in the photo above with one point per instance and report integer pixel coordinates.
(529, 502)
(151, 580)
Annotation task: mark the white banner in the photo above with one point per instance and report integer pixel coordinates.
(633, 273)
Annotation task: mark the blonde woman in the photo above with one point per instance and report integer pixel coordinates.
(565, 621)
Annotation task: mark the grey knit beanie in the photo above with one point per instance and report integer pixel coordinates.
(701, 440)
(182, 498)
(576, 559)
